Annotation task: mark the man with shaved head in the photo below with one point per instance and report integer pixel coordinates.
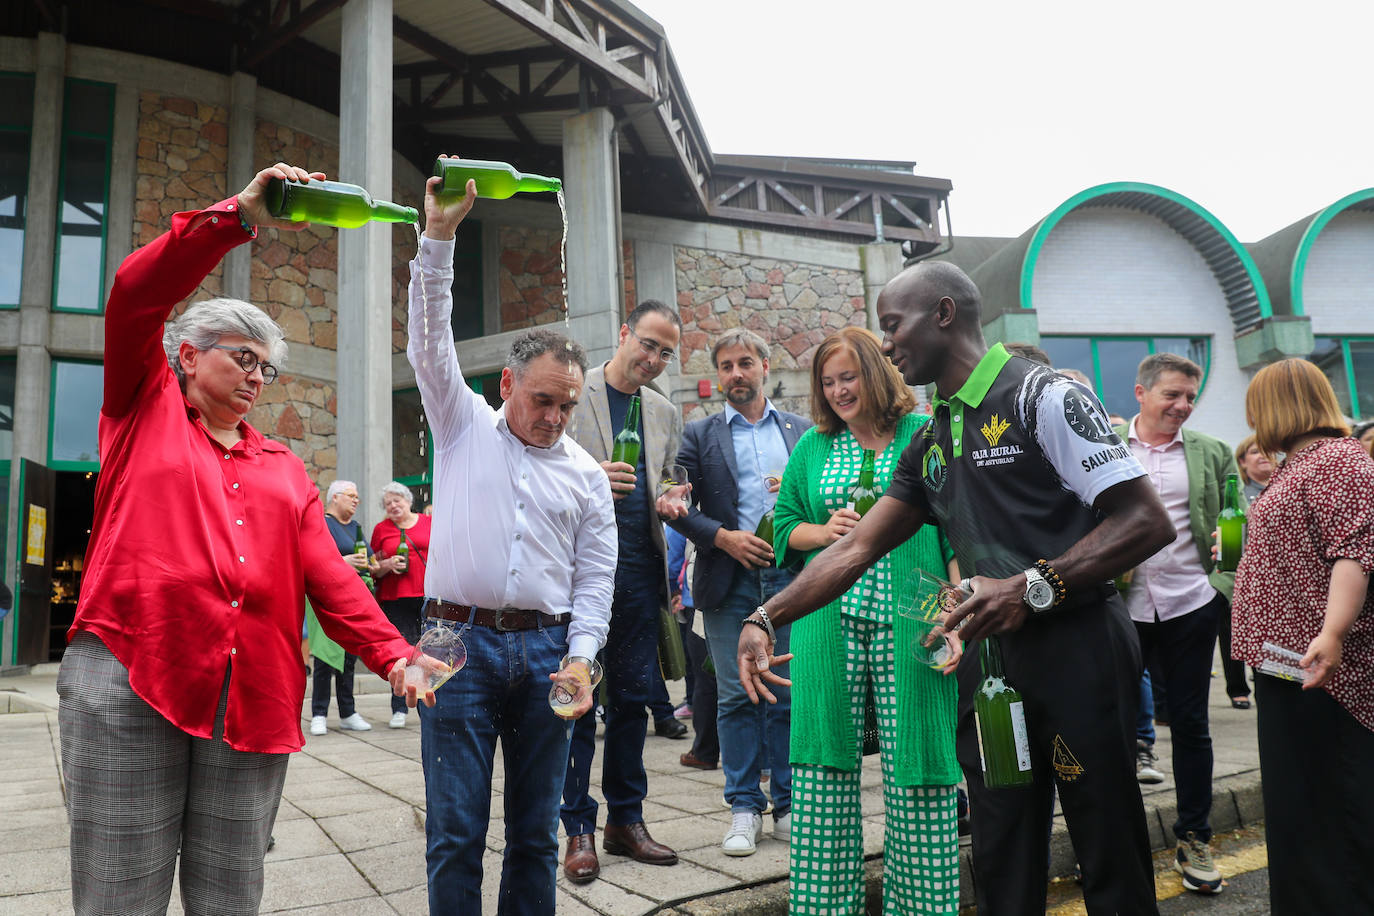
(1044, 505)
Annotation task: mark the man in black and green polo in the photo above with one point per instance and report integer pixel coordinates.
(1044, 505)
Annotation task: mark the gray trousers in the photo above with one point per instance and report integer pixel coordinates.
(139, 789)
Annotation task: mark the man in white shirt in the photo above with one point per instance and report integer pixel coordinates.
(522, 566)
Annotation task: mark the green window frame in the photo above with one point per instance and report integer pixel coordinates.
(16, 133)
(73, 136)
(1162, 343)
(67, 464)
(1351, 372)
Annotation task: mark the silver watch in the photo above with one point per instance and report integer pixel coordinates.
(1039, 594)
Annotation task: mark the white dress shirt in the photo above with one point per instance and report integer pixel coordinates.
(515, 526)
(1172, 582)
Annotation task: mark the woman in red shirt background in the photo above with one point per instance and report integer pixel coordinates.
(401, 579)
(1303, 585)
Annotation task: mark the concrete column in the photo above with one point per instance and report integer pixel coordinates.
(590, 182)
(119, 240)
(881, 261)
(656, 278)
(33, 369)
(364, 344)
(243, 125)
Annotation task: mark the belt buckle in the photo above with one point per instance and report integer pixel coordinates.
(499, 623)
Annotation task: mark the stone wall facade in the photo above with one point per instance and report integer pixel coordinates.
(531, 276)
(301, 413)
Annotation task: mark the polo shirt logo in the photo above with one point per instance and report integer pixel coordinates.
(1085, 418)
(934, 467)
(993, 429)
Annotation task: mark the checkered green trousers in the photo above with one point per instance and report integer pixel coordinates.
(921, 839)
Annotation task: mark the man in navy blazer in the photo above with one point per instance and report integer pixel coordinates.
(735, 460)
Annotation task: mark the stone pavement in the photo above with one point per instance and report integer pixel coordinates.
(350, 832)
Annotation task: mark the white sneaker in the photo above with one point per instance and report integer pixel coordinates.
(355, 723)
(318, 725)
(398, 720)
(743, 838)
(782, 828)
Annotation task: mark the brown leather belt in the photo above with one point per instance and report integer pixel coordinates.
(503, 619)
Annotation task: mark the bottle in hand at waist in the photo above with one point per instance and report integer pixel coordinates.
(1231, 527)
(495, 180)
(332, 203)
(403, 549)
(999, 715)
(360, 548)
(764, 529)
(863, 495)
(627, 442)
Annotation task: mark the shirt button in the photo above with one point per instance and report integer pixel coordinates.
(236, 486)
(517, 537)
(233, 651)
(959, 418)
(226, 457)
(238, 521)
(214, 219)
(233, 604)
(956, 441)
(241, 559)
(519, 505)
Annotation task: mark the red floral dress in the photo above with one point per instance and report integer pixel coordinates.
(1317, 509)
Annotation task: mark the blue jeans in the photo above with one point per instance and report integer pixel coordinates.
(1145, 720)
(630, 661)
(752, 737)
(502, 692)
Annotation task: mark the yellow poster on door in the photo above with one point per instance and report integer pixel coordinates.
(38, 535)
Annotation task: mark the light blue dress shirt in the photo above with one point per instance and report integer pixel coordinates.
(760, 451)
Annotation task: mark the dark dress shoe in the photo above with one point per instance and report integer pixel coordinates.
(670, 728)
(580, 864)
(692, 760)
(1240, 702)
(633, 840)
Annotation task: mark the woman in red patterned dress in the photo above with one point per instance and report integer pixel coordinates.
(1303, 586)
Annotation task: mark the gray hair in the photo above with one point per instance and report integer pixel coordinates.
(398, 489)
(740, 337)
(203, 324)
(535, 343)
(336, 488)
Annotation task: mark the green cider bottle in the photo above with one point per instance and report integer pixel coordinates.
(627, 441)
(495, 180)
(403, 549)
(862, 495)
(332, 203)
(1003, 743)
(1231, 526)
(360, 548)
(764, 529)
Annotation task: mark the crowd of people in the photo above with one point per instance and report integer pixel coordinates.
(1083, 543)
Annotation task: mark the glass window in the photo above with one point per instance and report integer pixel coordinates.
(85, 183)
(1112, 362)
(16, 122)
(1117, 361)
(6, 413)
(1070, 353)
(410, 442)
(1329, 357)
(1362, 371)
(77, 390)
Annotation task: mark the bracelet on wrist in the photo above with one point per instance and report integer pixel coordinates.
(1052, 577)
(758, 623)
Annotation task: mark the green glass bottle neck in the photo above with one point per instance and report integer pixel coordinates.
(632, 415)
(866, 469)
(990, 654)
(539, 183)
(384, 211)
(1231, 500)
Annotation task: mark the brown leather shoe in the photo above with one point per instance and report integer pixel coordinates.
(692, 760)
(580, 864)
(633, 840)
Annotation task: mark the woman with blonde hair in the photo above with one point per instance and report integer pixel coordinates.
(1303, 588)
(854, 653)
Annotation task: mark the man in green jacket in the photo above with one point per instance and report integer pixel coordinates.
(1176, 597)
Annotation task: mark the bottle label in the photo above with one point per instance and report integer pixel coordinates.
(978, 727)
(1018, 735)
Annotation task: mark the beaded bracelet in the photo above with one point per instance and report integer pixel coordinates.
(1052, 577)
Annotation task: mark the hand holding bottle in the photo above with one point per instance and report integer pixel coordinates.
(622, 478)
(840, 523)
(443, 214)
(252, 199)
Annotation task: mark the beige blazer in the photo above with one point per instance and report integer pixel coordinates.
(590, 427)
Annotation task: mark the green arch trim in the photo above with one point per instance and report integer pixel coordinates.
(1046, 226)
(1309, 238)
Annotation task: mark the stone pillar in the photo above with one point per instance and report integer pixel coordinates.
(880, 261)
(243, 124)
(656, 278)
(33, 366)
(590, 185)
(364, 344)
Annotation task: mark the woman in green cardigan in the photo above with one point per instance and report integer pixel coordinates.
(856, 650)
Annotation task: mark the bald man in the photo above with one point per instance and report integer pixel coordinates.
(1044, 505)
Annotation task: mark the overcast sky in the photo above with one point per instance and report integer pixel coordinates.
(1258, 111)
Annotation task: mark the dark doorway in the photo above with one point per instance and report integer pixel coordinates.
(73, 515)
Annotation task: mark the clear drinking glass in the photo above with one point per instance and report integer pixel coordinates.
(447, 656)
(562, 700)
(674, 486)
(926, 601)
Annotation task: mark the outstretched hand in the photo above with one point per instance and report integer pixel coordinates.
(756, 660)
(253, 198)
(443, 214)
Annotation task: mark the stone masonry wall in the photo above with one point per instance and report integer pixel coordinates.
(531, 277)
(301, 413)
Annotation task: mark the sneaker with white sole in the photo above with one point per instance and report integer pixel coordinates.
(1194, 862)
(782, 828)
(355, 723)
(398, 720)
(318, 725)
(1145, 770)
(743, 838)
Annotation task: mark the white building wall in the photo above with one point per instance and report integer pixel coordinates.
(1105, 271)
(1338, 285)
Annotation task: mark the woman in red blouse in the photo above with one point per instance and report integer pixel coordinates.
(181, 687)
(401, 580)
(1303, 586)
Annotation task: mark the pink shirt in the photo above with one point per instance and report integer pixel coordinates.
(1172, 582)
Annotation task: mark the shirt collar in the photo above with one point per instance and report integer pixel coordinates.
(559, 445)
(1132, 437)
(768, 411)
(252, 442)
(976, 386)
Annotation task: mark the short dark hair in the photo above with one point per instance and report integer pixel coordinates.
(1030, 352)
(945, 280)
(1156, 364)
(653, 305)
(536, 342)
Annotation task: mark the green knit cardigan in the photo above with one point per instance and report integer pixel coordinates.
(823, 731)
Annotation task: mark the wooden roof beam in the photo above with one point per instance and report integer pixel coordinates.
(260, 48)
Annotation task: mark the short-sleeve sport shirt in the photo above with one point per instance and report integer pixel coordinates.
(1011, 465)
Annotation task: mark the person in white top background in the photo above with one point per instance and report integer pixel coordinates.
(522, 563)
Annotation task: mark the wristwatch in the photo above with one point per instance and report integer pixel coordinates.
(1039, 593)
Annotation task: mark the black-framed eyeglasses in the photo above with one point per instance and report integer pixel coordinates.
(248, 361)
(653, 348)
